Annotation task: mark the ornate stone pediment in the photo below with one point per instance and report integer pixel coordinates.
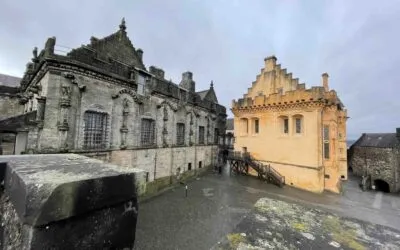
(137, 98)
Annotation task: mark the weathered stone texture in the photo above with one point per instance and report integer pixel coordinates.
(47, 197)
(9, 106)
(378, 163)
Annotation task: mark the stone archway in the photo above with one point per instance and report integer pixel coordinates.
(381, 185)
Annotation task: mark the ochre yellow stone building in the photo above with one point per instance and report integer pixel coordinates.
(300, 132)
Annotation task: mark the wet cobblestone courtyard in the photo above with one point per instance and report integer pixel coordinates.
(219, 206)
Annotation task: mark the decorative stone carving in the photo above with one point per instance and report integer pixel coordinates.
(124, 128)
(133, 94)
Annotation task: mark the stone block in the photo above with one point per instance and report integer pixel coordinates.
(67, 202)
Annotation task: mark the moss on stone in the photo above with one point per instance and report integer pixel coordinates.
(235, 239)
(299, 226)
(340, 233)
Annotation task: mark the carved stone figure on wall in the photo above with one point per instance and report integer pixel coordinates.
(66, 92)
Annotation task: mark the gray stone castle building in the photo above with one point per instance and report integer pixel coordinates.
(376, 157)
(101, 101)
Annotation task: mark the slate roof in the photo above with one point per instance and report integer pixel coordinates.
(229, 124)
(202, 94)
(378, 140)
(11, 124)
(10, 81)
(8, 90)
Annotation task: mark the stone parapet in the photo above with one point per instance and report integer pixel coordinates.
(314, 94)
(67, 202)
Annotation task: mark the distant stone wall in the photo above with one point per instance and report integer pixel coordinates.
(379, 163)
(67, 202)
(9, 106)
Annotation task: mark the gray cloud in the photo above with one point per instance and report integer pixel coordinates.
(356, 42)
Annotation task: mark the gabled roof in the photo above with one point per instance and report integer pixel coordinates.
(10, 81)
(116, 46)
(378, 140)
(208, 94)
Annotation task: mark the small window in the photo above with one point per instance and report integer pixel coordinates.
(326, 142)
(180, 133)
(147, 132)
(201, 135)
(141, 81)
(244, 126)
(327, 176)
(200, 164)
(286, 125)
(256, 126)
(298, 125)
(189, 166)
(216, 136)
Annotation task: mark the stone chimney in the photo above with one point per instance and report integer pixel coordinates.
(270, 63)
(157, 72)
(325, 77)
(187, 81)
(140, 54)
(49, 46)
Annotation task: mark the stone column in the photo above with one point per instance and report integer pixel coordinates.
(85, 204)
(124, 128)
(41, 105)
(63, 126)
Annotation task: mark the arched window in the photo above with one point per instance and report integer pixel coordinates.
(95, 131)
(284, 124)
(298, 124)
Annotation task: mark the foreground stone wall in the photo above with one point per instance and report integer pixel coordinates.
(9, 106)
(67, 202)
(379, 163)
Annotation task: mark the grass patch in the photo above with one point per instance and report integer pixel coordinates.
(341, 234)
(235, 240)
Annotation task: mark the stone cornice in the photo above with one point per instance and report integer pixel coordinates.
(279, 107)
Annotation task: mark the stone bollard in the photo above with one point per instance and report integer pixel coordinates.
(67, 201)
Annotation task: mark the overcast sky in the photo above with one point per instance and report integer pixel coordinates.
(356, 42)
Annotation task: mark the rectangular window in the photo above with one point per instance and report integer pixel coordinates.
(298, 125)
(147, 132)
(180, 134)
(95, 130)
(201, 135)
(200, 163)
(189, 166)
(216, 136)
(326, 141)
(141, 81)
(256, 126)
(286, 125)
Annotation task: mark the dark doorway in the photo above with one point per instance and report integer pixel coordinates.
(381, 185)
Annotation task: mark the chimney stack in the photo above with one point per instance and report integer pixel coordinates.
(270, 63)
(140, 54)
(187, 81)
(325, 77)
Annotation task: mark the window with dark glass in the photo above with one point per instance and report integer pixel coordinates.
(216, 136)
(298, 125)
(256, 126)
(147, 132)
(326, 141)
(180, 133)
(286, 125)
(201, 135)
(95, 131)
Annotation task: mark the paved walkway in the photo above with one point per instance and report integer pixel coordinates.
(216, 204)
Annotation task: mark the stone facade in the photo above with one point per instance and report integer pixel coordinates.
(100, 100)
(376, 157)
(300, 132)
(9, 102)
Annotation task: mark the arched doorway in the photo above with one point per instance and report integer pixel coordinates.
(381, 185)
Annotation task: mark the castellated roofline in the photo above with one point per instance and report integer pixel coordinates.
(314, 95)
